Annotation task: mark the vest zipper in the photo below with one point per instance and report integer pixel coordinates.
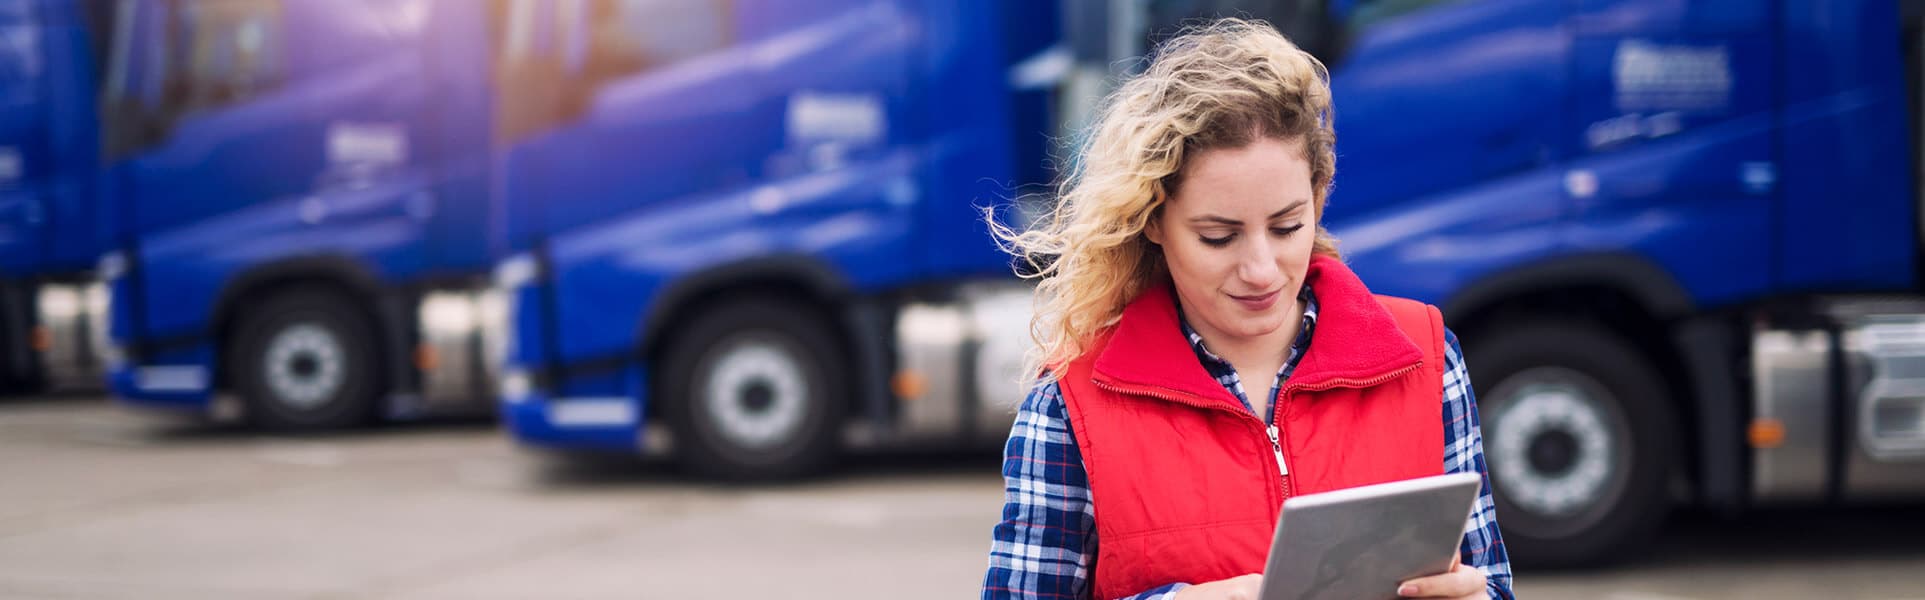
(1277, 447)
(1276, 441)
(1290, 390)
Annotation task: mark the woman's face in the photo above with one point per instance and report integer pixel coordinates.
(1237, 237)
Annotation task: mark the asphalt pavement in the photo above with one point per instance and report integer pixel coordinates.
(97, 501)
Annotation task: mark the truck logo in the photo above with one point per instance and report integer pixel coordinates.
(1666, 77)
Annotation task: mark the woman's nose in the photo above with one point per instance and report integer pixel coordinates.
(1257, 264)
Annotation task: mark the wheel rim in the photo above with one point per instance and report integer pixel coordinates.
(305, 364)
(756, 394)
(1559, 447)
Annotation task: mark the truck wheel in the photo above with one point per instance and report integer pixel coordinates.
(755, 390)
(305, 360)
(1579, 436)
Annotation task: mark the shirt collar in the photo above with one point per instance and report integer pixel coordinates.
(1218, 367)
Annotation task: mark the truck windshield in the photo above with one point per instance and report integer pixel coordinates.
(598, 39)
(555, 54)
(227, 51)
(518, 27)
(628, 36)
(168, 60)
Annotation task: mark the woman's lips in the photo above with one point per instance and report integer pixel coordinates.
(1257, 303)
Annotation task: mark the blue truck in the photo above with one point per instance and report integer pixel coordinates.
(296, 194)
(50, 239)
(759, 222)
(1680, 239)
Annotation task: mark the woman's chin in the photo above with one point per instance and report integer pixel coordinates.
(1252, 327)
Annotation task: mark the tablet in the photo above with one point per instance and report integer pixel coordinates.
(1363, 542)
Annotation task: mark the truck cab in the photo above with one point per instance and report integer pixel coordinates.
(294, 187)
(760, 222)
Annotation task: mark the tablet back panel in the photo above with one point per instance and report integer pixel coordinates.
(1363, 542)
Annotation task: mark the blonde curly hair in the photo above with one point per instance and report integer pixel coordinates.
(1223, 84)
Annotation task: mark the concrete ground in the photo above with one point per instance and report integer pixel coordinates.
(100, 502)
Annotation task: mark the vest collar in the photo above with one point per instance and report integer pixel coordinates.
(1357, 341)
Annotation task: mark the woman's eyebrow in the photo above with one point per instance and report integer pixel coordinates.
(1235, 223)
(1208, 219)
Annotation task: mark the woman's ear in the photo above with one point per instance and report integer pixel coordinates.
(1154, 228)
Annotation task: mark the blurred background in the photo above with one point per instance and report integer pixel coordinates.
(695, 298)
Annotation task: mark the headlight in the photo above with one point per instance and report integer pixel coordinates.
(515, 385)
(100, 311)
(499, 305)
(99, 298)
(497, 321)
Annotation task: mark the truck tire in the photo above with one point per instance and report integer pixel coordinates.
(1579, 435)
(306, 359)
(755, 390)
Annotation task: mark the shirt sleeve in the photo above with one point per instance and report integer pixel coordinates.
(1045, 545)
(1483, 545)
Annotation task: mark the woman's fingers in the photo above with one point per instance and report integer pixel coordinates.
(1459, 582)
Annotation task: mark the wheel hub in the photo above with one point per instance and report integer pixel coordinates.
(305, 366)
(756, 394)
(1554, 448)
(1554, 452)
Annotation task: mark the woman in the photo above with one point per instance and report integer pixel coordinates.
(1185, 267)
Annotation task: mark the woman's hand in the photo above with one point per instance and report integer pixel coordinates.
(1234, 588)
(1458, 583)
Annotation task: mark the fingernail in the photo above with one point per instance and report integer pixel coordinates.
(1407, 590)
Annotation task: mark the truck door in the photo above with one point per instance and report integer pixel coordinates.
(243, 137)
(1674, 157)
(26, 157)
(843, 111)
(612, 109)
(604, 100)
(1447, 111)
(198, 149)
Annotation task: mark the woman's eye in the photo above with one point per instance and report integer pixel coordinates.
(1218, 242)
(1285, 231)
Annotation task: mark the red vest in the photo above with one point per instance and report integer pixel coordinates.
(1185, 480)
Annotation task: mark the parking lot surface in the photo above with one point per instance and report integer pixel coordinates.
(100, 502)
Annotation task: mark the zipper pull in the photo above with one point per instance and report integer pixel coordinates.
(1277, 447)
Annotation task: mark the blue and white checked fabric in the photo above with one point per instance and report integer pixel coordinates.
(1227, 375)
(1045, 545)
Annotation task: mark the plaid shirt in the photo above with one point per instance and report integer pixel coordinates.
(1046, 543)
